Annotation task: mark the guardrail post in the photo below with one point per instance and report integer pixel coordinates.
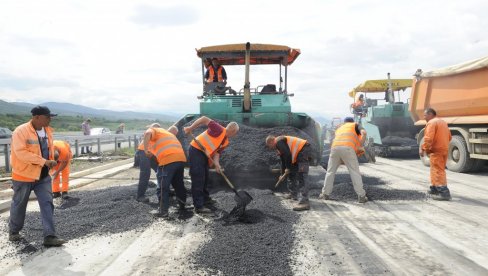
(6, 151)
(129, 142)
(77, 149)
(99, 147)
(115, 145)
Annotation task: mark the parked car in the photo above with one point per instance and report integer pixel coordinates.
(5, 133)
(100, 131)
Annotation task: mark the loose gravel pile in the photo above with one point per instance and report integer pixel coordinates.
(398, 141)
(258, 244)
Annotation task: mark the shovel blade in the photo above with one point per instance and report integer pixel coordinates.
(243, 198)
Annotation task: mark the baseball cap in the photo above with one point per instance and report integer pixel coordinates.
(349, 120)
(42, 110)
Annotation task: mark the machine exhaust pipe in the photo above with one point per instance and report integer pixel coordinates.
(247, 85)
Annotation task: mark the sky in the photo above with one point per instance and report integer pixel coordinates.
(140, 55)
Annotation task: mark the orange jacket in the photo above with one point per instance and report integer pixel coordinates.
(295, 144)
(26, 157)
(211, 73)
(436, 136)
(166, 147)
(64, 150)
(346, 136)
(357, 104)
(211, 144)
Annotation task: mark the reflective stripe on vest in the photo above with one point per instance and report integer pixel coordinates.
(346, 136)
(166, 147)
(211, 144)
(211, 73)
(295, 144)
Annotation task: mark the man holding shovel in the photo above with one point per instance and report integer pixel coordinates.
(214, 140)
(294, 154)
(171, 158)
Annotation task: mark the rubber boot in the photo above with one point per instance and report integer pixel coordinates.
(443, 194)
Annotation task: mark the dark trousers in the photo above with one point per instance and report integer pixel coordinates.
(199, 176)
(298, 181)
(145, 166)
(22, 190)
(172, 173)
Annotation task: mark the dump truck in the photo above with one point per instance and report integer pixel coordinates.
(259, 109)
(385, 116)
(459, 94)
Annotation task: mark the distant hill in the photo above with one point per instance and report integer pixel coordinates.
(69, 109)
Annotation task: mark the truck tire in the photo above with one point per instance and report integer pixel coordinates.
(425, 159)
(458, 159)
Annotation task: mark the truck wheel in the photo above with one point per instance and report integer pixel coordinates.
(458, 159)
(425, 159)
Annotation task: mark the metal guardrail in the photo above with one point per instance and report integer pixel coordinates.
(77, 141)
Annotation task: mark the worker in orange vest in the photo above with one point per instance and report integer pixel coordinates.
(145, 165)
(32, 158)
(214, 140)
(294, 154)
(63, 155)
(346, 147)
(166, 148)
(436, 144)
(216, 72)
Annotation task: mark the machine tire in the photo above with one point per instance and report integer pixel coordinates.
(458, 159)
(425, 159)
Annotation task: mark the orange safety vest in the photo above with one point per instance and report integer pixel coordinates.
(166, 147)
(64, 150)
(357, 104)
(211, 144)
(295, 145)
(26, 157)
(211, 73)
(346, 136)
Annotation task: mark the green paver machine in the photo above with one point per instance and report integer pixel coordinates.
(388, 123)
(263, 106)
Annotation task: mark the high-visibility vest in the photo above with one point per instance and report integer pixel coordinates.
(210, 143)
(166, 147)
(346, 136)
(295, 145)
(211, 73)
(63, 149)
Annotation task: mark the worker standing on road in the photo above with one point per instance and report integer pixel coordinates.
(145, 165)
(436, 144)
(63, 155)
(294, 154)
(171, 158)
(214, 140)
(216, 72)
(32, 158)
(85, 127)
(346, 147)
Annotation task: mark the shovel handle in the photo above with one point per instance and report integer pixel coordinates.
(282, 177)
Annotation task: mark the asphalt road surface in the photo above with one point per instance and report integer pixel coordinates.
(401, 231)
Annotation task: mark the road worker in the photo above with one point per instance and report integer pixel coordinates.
(145, 165)
(63, 155)
(346, 147)
(32, 158)
(165, 147)
(436, 144)
(214, 140)
(216, 72)
(294, 154)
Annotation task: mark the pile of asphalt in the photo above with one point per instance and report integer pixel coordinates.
(247, 151)
(259, 243)
(398, 141)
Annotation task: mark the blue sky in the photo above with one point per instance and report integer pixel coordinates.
(140, 55)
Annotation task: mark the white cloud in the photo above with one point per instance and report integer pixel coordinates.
(140, 55)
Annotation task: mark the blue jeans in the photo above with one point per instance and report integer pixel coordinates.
(172, 173)
(145, 166)
(199, 176)
(22, 190)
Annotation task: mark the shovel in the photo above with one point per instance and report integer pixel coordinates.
(242, 197)
(282, 177)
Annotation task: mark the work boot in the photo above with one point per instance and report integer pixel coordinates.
(56, 194)
(209, 202)
(433, 191)
(142, 199)
(53, 241)
(151, 184)
(362, 199)
(163, 213)
(301, 206)
(65, 195)
(203, 210)
(443, 194)
(181, 206)
(14, 236)
(324, 196)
